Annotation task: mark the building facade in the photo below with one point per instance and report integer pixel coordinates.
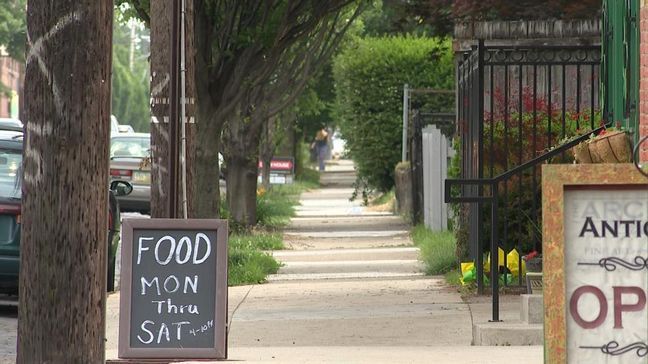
(11, 76)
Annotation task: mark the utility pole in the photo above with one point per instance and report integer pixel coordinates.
(174, 104)
(63, 265)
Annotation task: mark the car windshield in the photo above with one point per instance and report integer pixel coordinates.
(130, 147)
(10, 163)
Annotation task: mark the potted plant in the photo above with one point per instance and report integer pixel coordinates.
(584, 154)
(611, 145)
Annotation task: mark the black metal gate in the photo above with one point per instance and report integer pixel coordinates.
(517, 107)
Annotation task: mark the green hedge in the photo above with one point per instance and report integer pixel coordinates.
(369, 79)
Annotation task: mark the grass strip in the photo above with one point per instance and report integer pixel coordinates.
(437, 249)
(247, 263)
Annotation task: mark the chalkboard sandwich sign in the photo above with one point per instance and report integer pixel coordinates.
(173, 302)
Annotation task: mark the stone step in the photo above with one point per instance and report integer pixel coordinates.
(340, 255)
(532, 308)
(337, 179)
(305, 243)
(347, 234)
(355, 211)
(345, 223)
(513, 333)
(353, 266)
(338, 276)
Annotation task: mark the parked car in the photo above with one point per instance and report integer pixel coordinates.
(130, 161)
(116, 127)
(125, 128)
(114, 124)
(11, 144)
(11, 124)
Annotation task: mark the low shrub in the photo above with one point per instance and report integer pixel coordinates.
(247, 264)
(437, 249)
(369, 78)
(259, 241)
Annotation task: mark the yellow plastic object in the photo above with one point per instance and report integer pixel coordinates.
(512, 263)
(500, 260)
(467, 272)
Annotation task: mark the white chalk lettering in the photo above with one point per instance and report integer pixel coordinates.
(184, 250)
(175, 309)
(143, 327)
(159, 306)
(171, 284)
(193, 283)
(146, 283)
(171, 278)
(171, 250)
(141, 248)
(202, 328)
(201, 237)
(184, 241)
(164, 330)
(179, 327)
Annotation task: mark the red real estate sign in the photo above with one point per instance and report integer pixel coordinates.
(281, 165)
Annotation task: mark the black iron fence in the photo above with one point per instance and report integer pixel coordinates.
(518, 107)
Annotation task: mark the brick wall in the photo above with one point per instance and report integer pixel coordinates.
(10, 77)
(643, 78)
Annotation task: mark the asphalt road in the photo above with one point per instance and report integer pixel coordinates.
(8, 328)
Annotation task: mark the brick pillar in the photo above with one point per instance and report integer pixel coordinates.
(643, 78)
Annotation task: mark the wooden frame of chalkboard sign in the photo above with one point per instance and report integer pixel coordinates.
(173, 302)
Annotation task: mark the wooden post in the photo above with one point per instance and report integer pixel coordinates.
(65, 182)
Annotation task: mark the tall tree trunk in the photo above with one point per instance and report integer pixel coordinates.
(209, 123)
(206, 168)
(242, 136)
(241, 188)
(64, 204)
(160, 81)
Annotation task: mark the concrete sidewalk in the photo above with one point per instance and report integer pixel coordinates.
(351, 291)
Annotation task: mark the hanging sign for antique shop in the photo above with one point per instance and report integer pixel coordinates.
(595, 244)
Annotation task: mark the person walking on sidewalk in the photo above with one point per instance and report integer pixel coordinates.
(321, 147)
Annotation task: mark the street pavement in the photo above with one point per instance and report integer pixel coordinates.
(8, 330)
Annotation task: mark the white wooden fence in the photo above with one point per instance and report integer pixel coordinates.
(436, 153)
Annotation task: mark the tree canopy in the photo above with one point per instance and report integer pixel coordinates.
(130, 96)
(130, 83)
(13, 27)
(437, 17)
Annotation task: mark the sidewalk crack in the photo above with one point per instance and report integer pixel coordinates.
(229, 324)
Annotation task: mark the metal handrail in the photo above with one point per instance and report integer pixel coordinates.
(494, 184)
(505, 175)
